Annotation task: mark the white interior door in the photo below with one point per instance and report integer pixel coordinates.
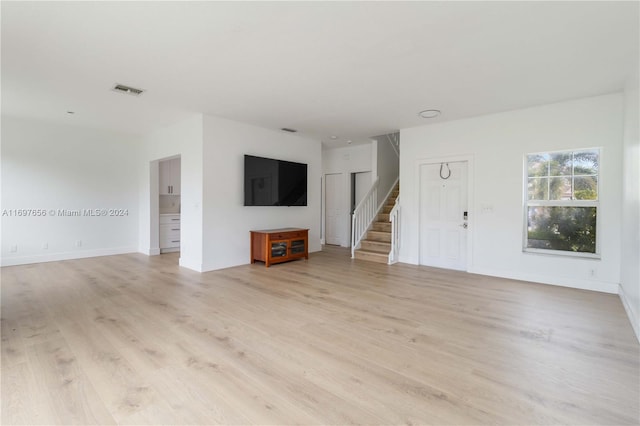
(443, 220)
(334, 196)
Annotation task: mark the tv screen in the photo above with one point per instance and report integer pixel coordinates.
(269, 182)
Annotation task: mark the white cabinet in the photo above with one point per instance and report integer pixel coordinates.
(170, 177)
(169, 232)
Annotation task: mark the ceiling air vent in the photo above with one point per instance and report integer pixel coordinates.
(121, 88)
(286, 129)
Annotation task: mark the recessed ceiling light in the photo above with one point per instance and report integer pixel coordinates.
(429, 113)
(349, 141)
(334, 137)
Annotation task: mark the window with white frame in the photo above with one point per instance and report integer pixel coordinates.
(561, 203)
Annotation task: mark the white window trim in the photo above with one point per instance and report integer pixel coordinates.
(560, 203)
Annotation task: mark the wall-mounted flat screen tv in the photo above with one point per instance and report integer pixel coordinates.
(269, 182)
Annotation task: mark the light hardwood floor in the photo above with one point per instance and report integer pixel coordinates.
(137, 340)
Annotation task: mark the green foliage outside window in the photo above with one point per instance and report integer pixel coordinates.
(562, 228)
(562, 194)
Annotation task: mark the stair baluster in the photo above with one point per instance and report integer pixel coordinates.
(377, 239)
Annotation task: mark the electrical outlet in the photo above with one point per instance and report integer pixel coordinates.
(14, 249)
(78, 243)
(45, 246)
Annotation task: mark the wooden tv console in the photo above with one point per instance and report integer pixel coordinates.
(279, 245)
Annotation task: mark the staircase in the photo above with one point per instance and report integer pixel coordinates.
(375, 247)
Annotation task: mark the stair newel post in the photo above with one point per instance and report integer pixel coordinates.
(394, 218)
(355, 229)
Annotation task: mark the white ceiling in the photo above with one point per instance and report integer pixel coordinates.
(354, 70)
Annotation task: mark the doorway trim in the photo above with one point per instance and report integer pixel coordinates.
(470, 197)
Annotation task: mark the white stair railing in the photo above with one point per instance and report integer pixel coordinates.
(364, 213)
(394, 218)
(388, 194)
(394, 140)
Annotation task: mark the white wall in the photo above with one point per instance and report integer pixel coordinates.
(350, 159)
(498, 144)
(388, 164)
(630, 261)
(227, 221)
(182, 139)
(344, 161)
(53, 167)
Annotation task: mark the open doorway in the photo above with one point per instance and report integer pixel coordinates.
(342, 193)
(169, 205)
(360, 184)
(165, 206)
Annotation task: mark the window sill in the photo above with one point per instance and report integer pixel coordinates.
(545, 252)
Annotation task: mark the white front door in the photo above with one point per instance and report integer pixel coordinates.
(334, 196)
(443, 215)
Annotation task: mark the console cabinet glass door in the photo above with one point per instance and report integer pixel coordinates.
(297, 247)
(278, 249)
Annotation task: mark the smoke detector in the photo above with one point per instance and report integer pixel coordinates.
(121, 88)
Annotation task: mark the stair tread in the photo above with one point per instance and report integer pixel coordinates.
(370, 256)
(372, 246)
(376, 253)
(376, 242)
(378, 233)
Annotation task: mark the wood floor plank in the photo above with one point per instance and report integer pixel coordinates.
(72, 396)
(133, 339)
(23, 402)
(190, 396)
(125, 392)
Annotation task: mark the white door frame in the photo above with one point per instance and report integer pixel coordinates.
(470, 191)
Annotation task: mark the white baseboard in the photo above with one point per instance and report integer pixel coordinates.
(53, 257)
(593, 285)
(631, 313)
(170, 250)
(150, 251)
(407, 259)
(194, 266)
